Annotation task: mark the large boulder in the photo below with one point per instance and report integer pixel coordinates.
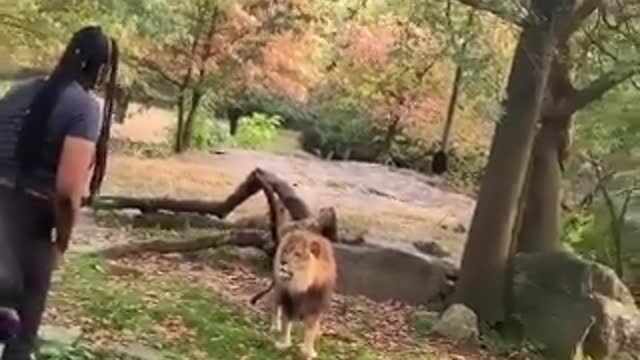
(382, 274)
(571, 306)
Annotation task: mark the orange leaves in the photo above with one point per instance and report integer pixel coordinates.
(205, 37)
(288, 66)
(371, 45)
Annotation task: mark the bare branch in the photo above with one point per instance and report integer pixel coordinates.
(594, 91)
(152, 66)
(497, 8)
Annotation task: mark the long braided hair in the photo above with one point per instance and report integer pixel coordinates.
(88, 53)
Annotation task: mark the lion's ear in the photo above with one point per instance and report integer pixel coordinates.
(316, 249)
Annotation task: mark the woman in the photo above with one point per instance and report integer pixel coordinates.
(51, 133)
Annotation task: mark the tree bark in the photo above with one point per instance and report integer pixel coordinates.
(541, 227)
(540, 230)
(484, 263)
(123, 99)
(187, 134)
(178, 146)
(453, 102)
(390, 136)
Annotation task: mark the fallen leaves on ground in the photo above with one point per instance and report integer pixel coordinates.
(353, 320)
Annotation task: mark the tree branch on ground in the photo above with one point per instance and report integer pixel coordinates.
(296, 207)
(229, 234)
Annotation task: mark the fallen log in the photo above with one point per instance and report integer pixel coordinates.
(228, 234)
(154, 205)
(177, 222)
(296, 207)
(324, 222)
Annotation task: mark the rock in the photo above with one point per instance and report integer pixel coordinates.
(383, 274)
(453, 224)
(560, 298)
(458, 323)
(460, 229)
(431, 248)
(137, 351)
(58, 336)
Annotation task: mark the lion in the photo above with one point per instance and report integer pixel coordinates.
(304, 271)
(304, 281)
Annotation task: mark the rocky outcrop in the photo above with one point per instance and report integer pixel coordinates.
(571, 305)
(383, 274)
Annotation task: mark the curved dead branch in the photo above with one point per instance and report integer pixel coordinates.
(224, 233)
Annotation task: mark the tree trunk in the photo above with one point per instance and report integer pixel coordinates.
(540, 231)
(123, 98)
(178, 146)
(187, 134)
(541, 220)
(453, 102)
(484, 263)
(390, 135)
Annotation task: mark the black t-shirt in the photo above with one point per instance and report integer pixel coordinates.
(77, 114)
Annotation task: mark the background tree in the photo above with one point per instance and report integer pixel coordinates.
(496, 223)
(201, 47)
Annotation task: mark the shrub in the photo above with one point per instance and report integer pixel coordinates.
(341, 133)
(256, 131)
(247, 102)
(587, 233)
(207, 132)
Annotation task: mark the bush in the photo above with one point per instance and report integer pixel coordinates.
(256, 131)
(246, 102)
(467, 167)
(341, 133)
(209, 133)
(587, 234)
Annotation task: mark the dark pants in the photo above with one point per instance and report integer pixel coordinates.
(26, 264)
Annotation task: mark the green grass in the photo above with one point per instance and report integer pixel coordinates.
(286, 142)
(207, 326)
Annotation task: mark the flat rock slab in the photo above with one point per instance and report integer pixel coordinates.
(383, 274)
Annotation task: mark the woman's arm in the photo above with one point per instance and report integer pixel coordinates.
(72, 177)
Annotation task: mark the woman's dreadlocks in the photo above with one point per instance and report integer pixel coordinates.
(102, 146)
(86, 54)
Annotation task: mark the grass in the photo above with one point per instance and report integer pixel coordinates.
(286, 142)
(185, 320)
